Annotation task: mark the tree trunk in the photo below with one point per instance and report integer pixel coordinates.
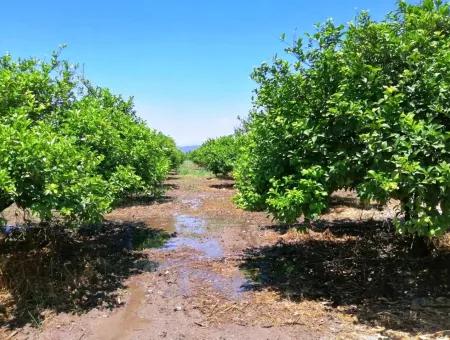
(407, 213)
(421, 246)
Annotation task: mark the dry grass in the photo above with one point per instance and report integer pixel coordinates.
(71, 272)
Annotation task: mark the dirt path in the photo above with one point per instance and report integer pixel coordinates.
(201, 288)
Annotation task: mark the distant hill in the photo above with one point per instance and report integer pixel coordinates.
(188, 148)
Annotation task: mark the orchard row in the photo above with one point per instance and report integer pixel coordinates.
(69, 150)
(364, 107)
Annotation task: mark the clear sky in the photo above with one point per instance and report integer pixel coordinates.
(186, 62)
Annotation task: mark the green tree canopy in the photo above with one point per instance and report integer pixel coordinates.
(362, 107)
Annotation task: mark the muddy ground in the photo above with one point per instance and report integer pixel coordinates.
(193, 266)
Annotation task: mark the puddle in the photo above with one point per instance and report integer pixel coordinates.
(125, 321)
(208, 247)
(198, 234)
(180, 231)
(145, 238)
(190, 225)
(231, 287)
(191, 233)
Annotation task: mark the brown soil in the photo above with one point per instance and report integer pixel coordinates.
(193, 266)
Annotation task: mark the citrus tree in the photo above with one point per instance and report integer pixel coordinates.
(129, 149)
(362, 107)
(175, 155)
(217, 154)
(70, 150)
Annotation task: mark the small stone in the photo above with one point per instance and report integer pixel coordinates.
(177, 309)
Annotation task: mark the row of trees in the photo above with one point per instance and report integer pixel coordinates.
(218, 155)
(71, 150)
(363, 107)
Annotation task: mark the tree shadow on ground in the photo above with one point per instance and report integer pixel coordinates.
(63, 271)
(362, 269)
(228, 186)
(351, 200)
(338, 228)
(222, 177)
(143, 200)
(171, 186)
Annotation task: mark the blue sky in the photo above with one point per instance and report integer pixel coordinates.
(187, 63)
